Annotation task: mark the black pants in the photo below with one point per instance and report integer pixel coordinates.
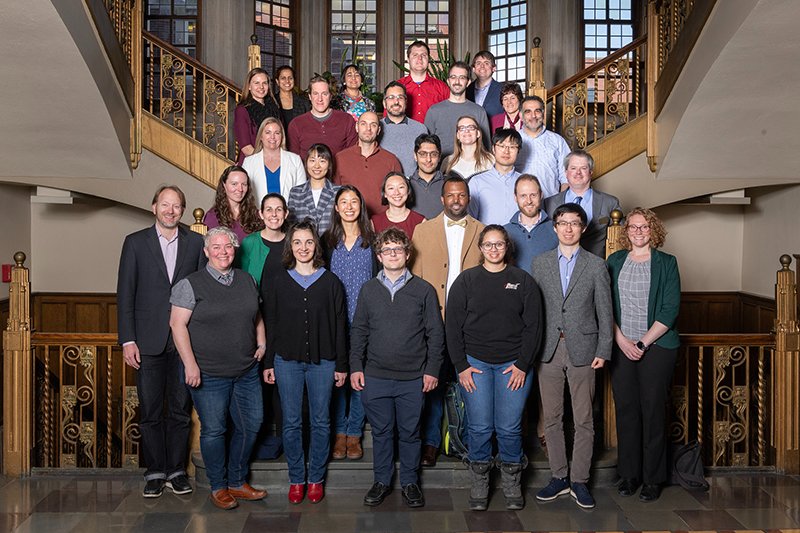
(164, 413)
(641, 389)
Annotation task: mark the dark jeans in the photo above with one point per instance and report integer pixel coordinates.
(216, 400)
(391, 403)
(641, 389)
(164, 414)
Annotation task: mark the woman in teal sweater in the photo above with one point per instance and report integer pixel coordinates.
(260, 252)
(646, 289)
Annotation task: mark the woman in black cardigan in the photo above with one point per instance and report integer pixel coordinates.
(306, 349)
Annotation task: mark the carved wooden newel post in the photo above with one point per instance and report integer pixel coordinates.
(18, 375)
(786, 372)
(253, 53)
(536, 87)
(609, 414)
(194, 434)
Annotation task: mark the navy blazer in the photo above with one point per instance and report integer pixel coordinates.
(491, 104)
(144, 288)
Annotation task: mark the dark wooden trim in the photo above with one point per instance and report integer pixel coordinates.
(750, 339)
(682, 47)
(725, 312)
(97, 339)
(69, 318)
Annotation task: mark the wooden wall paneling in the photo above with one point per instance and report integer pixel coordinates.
(75, 313)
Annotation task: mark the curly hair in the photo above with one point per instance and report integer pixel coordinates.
(248, 211)
(658, 234)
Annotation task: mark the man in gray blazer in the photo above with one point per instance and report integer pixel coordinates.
(579, 166)
(579, 327)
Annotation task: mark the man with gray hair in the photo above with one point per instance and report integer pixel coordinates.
(579, 167)
(543, 151)
(153, 260)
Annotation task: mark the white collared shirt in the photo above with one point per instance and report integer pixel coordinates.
(455, 242)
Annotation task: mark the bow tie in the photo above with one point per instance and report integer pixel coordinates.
(462, 222)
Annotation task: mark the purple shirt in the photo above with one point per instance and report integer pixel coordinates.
(212, 221)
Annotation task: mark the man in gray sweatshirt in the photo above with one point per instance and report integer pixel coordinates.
(396, 349)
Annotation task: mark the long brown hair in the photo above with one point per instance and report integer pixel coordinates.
(482, 155)
(335, 233)
(246, 96)
(248, 212)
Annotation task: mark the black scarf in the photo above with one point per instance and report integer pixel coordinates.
(259, 112)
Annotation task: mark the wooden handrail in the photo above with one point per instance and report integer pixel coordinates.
(726, 339)
(97, 339)
(603, 63)
(232, 85)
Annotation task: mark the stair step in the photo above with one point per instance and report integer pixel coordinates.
(448, 473)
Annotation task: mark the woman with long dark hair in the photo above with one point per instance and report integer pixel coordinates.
(349, 255)
(260, 253)
(234, 204)
(291, 101)
(257, 103)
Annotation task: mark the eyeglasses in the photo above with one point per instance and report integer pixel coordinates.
(574, 224)
(469, 127)
(507, 147)
(428, 155)
(399, 250)
(499, 246)
(392, 97)
(644, 228)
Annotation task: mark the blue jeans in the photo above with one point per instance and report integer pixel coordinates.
(494, 408)
(348, 423)
(216, 399)
(432, 412)
(291, 377)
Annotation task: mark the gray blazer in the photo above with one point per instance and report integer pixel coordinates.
(585, 315)
(594, 238)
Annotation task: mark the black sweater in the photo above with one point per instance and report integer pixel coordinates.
(400, 338)
(305, 324)
(495, 317)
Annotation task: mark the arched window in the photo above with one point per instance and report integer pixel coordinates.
(275, 32)
(507, 39)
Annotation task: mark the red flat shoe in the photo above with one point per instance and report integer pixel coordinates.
(296, 492)
(316, 492)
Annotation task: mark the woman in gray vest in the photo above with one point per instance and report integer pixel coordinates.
(220, 336)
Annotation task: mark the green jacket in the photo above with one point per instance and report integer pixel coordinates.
(252, 254)
(664, 299)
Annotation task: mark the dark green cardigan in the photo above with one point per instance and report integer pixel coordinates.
(664, 299)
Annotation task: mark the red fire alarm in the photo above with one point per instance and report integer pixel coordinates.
(6, 273)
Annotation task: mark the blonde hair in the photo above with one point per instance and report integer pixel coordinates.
(264, 123)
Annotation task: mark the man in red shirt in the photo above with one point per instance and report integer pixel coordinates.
(422, 89)
(322, 124)
(366, 164)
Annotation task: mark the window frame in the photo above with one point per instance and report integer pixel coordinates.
(488, 32)
(198, 27)
(402, 34)
(376, 82)
(293, 29)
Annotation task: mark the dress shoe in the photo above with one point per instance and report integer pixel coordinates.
(376, 494)
(429, 455)
(246, 492)
(340, 447)
(316, 492)
(650, 493)
(354, 450)
(296, 492)
(412, 495)
(179, 484)
(153, 488)
(628, 486)
(222, 498)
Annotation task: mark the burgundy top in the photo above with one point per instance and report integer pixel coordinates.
(366, 173)
(244, 131)
(381, 222)
(499, 121)
(337, 132)
(212, 221)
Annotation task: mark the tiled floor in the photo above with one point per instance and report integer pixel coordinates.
(114, 504)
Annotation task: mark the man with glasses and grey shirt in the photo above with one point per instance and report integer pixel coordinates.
(442, 118)
(399, 131)
(427, 179)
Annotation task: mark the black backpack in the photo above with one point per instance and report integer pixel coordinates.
(454, 425)
(687, 467)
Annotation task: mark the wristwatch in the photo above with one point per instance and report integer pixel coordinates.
(642, 346)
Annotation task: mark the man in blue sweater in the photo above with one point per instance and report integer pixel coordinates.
(396, 349)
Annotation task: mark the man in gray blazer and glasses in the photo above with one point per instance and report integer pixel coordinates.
(579, 326)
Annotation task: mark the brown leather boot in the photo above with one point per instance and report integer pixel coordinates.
(340, 447)
(354, 450)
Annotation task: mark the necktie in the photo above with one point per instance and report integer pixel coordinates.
(578, 200)
(462, 223)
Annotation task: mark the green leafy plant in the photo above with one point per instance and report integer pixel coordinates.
(439, 69)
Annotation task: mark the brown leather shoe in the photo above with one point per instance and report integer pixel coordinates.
(429, 455)
(223, 499)
(354, 450)
(246, 492)
(340, 447)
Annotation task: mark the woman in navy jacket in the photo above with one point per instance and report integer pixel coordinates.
(646, 288)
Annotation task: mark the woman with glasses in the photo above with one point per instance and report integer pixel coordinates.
(646, 289)
(493, 325)
(469, 156)
(397, 194)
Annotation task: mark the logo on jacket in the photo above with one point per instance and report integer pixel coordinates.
(512, 286)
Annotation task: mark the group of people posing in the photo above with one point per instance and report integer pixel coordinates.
(379, 259)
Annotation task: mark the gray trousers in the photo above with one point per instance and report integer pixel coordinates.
(581, 380)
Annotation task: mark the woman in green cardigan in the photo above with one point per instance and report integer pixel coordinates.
(646, 288)
(260, 253)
